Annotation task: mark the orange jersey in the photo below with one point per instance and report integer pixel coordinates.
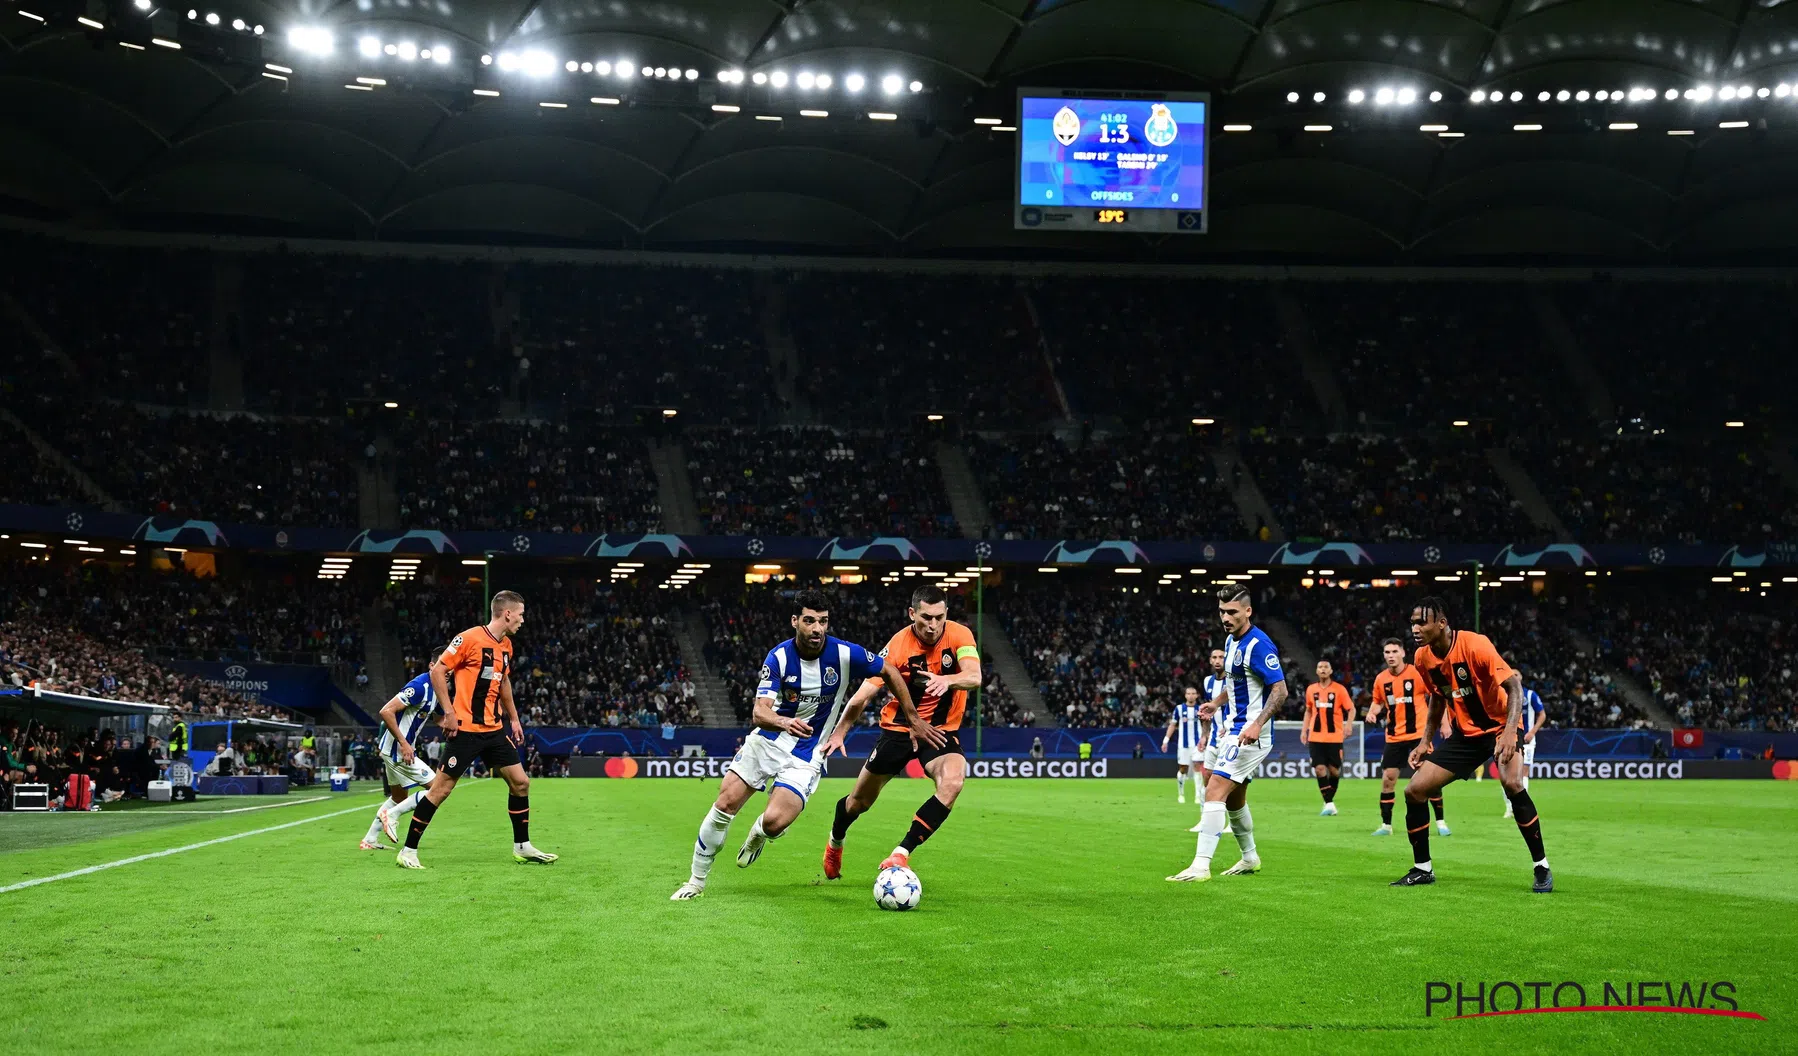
(478, 664)
(1404, 698)
(1328, 712)
(918, 662)
(1472, 678)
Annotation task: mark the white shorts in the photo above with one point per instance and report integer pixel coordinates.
(764, 765)
(1185, 756)
(1529, 757)
(1238, 761)
(1209, 761)
(401, 775)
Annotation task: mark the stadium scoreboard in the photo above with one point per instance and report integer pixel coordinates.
(1111, 161)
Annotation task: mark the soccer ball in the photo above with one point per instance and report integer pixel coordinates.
(897, 888)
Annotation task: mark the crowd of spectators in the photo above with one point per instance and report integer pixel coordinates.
(896, 347)
(1142, 485)
(229, 468)
(536, 476)
(1370, 489)
(64, 660)
(1163, 351)
(1106, 657)
(817, 481)
(274, 618)
(34, 752)
(1714, 659)
(588, 655)
(1636, 487)
(1422, 355)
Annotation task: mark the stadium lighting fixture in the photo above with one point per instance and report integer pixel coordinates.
(1601, 95)
(1542, 96)
(487, 92)
(1526, 128)
(486, 60)
(1292, 97)
(1460, 423)
(767, 117)
(1383, 97)
(369, 47)
(439, 55)
(1478, 96)
(1703, 93)
(554, 106)
(987, 120)
(1783, 90)
(760, 78)
(377, 82)
(191, 15)
(212, 18)
(805, 80)
(1435, 97)
(1732, 124)
(1317, 128)
(1732, 425)
(141, 5)
(623, 68)
(1239, 128)
(237, 24)
(1204, 421)
(824, 80)
(312, 40)
(571, 66)
(891, 84)
(778, 79)
(1623, 126)
(855, 82)
(1318, 97)
(89, 23)
(1128, 570)
(359, 87)
(1357, 97)
(1680, 132)
(669, 412)
(128, 44)
(1451, 135)
(1582, 95)
(277, 67)
(814, 113)
(537, 63)
(603, 100)
(725, 108)
(1005, 128)
(1727, 92)
(876, 115)
(390, 49)
(1407, 96)
(508, 61)
(1563, 95)
(1432, 128)
(916, 86)
(1670, 94)
(169, 44)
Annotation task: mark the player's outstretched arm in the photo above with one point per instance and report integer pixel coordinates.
(440, 686)
(390, 718)
(923, 731)
(852, 713)
(1168, 734)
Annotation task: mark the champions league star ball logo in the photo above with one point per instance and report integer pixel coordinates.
(521, 543)
(755, 547)
(1161, 128)
(1066, 126)
(73, 520)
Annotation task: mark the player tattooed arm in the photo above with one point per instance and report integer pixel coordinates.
(923, 731)
(390, 718)
(852, 713)
(1507, 737)
(1276, 696)
(446, 718)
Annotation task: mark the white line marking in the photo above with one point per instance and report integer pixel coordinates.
(152, 812)
(175, 850)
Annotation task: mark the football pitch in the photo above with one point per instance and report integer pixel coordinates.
(1045, 926)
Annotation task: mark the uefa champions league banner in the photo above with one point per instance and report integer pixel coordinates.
(303, 687)
(1498, 556)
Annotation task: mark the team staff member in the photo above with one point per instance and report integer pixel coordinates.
(1328, 715)
(1468, 678)
(1399, 692)
(475, 675)
(941, 663)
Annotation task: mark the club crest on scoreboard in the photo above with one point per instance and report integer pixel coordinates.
(1161, 128)
(1066, 126)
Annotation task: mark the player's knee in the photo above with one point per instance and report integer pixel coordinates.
(520, 785)
(948, 788)
(1414, 794)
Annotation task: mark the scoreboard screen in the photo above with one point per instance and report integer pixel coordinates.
(1129, 161)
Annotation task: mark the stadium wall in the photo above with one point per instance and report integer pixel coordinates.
(712, 768)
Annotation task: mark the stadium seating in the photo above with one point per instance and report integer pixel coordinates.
(817, 482)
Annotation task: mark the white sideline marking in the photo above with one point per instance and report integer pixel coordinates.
(175, 850)
(152, 812)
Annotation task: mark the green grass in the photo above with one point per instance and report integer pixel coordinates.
(1045, 927)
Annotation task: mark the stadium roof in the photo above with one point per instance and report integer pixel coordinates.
(103, 126)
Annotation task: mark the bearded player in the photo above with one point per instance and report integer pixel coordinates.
(1468, 678)
(1242, 716)
(941, 663)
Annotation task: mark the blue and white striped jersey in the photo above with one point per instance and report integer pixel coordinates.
(1213, 684)
(813, 690)
(1251, 667)
(1186, 723)
(419, 704)
(1532, 711)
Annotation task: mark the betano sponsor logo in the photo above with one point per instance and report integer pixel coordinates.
(1480, 999)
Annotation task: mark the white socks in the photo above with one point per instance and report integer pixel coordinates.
(1244, 827)
(712, 832)
(1211, 826)
(404, 805)
(1425, 866)
(1181, 777)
